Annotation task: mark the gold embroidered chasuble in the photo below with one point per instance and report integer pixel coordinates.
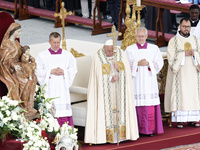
(108, 100)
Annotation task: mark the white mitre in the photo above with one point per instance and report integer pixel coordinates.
(109, 42)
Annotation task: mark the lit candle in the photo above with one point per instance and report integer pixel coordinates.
(139, 3)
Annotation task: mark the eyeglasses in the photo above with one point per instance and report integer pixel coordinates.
(141, 36)
(186, 27)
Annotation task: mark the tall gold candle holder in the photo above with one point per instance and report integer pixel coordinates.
(129, 35)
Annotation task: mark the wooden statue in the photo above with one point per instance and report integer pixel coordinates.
(15, 73)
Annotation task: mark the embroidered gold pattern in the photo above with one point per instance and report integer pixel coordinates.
(105, 69)
(123, 132)
(109, 135)
(187, 46)
(121, 66)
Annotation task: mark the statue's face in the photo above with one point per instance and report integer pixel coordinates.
(17, 33)
(109, 50)
(141, 36)
(55, 43)
(27, 51)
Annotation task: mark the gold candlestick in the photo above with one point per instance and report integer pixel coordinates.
(63, 14)
(129, 35)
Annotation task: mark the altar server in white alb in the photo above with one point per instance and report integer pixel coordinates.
(146, 61)
(57, 68)
(183, 80)
(110, 96)
(194, 19)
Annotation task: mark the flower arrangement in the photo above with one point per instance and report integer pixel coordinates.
(70, 131)
(12, 121)
(10, 116)
(42, 100)
(49, 123)
(32, 134)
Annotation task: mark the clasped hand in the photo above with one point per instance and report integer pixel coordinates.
(116, 66)
(114, 78)
(189, 52)
(57, 71)
(143, 62)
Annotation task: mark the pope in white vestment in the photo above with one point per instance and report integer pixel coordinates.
(182, 85)
(146, 61)
(57, 68)
(110, 96)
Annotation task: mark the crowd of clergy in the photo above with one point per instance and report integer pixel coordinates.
(123, 96)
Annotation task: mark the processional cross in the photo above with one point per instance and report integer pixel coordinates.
(113, 35)
(63, 13)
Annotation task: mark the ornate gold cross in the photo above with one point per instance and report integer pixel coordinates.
(63, 13)
(114, 34)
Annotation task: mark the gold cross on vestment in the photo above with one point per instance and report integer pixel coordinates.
(114, 34)
(63, 13)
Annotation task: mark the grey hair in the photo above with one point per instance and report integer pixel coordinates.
(141, 29)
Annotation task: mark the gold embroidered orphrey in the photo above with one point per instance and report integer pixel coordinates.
(187, 46)
(109, 135)
(105, 69)
(121, 66)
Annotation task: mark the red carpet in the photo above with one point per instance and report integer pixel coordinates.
(171, 137)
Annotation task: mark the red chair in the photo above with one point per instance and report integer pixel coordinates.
(6, 19)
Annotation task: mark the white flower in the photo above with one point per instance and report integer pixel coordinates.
(29, 134)
(14, 102)
(48, 106)
(1, 103)
(37, 88)
(1, 116)
(74, 136)
(14, 116)
(6, 99)
(7, 112)
(30, 143)
(50, 129)
(46, 96)
(5, 120)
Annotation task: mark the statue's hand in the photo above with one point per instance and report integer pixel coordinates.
(17, 67)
